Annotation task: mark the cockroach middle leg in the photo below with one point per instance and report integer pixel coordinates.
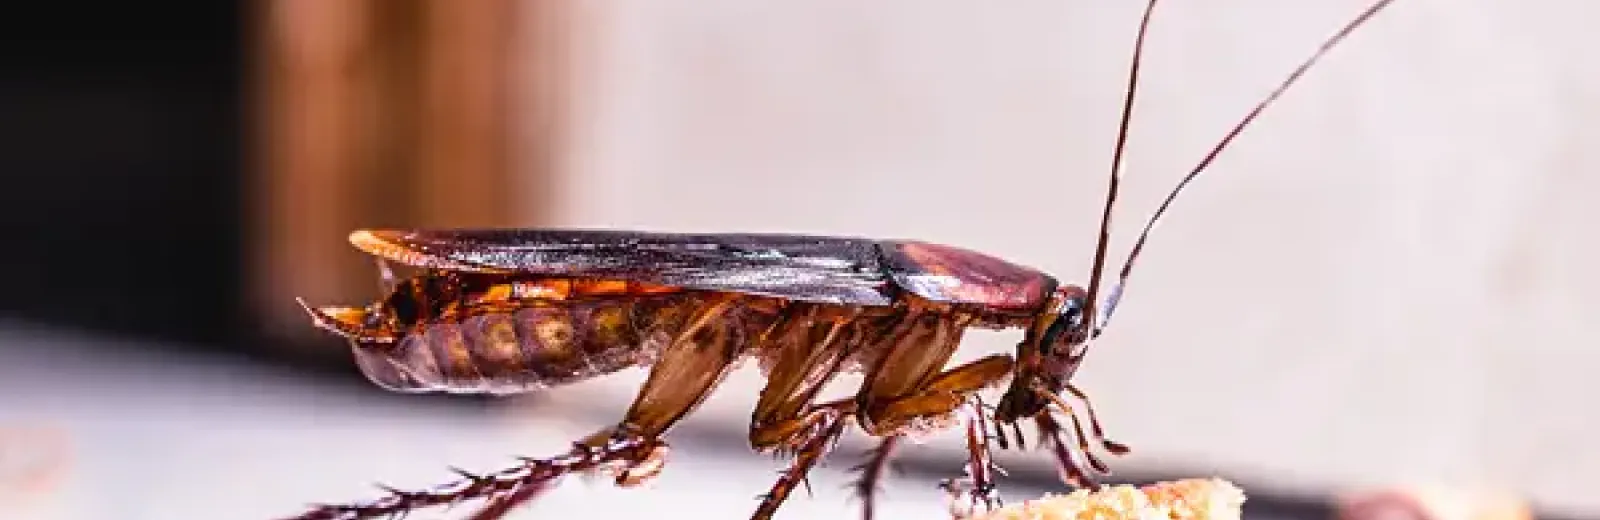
(809, 346)
(823, 427)
(809, 434)
(940, 396)
(981, 468)
(964, 495)
(946, 393)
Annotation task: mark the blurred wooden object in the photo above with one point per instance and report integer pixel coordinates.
(388, 113)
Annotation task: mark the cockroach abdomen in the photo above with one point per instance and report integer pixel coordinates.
(381, 370)
(550, 340)
(454, 357)
(496, 349)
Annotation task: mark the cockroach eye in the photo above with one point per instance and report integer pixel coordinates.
(1068, 319)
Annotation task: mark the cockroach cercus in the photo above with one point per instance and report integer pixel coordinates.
(510, 310)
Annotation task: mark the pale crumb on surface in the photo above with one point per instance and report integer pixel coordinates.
(1190, 499)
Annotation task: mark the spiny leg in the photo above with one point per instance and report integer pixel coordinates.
(532, 473)
(1067, 459)
(812, 442)
(809, 434)
(498, 507)
(809, 344)
(872, 471)
(978, 485)
(940, 396)
(1094, 423)
(1068, 465)
(914, 353)
(693, 362)
(631, 472)
(981, 468)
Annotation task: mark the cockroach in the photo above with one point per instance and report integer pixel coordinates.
(501, 311)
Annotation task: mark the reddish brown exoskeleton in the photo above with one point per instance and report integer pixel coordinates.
(504, 311)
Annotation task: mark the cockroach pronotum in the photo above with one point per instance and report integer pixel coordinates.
(501, 311)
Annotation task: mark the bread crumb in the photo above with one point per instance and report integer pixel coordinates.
(1189, 499)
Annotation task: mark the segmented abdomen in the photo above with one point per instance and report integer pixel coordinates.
(535, 345)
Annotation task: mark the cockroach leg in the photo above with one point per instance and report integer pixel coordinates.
(980, 462)
(695, 361)
(505, 485)
(1077, 428)
(642, 471)
(1067, 463)
(978, 486)
(500, 506)
(809, 349)
(1094, 423)
(811, 443)
(872, 471)
(938, 397)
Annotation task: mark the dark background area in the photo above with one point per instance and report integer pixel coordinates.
(122, 209)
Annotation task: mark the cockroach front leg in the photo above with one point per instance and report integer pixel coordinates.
(1076, 460)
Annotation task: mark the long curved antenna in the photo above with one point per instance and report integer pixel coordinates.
(1116, 174)
(1138, 246)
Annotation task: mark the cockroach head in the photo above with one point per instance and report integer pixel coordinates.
(1049, 355)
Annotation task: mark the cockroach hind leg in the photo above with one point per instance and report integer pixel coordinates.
(618, 448)
(640, 472)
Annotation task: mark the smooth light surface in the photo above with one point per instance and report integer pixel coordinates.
(1387, 280)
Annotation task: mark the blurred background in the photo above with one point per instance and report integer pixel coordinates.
(1386, 283)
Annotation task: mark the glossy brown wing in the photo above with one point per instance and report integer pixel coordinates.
(798, 267)
(951, 274)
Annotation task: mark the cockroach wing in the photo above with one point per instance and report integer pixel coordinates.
(798, 267)
(951, 274)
